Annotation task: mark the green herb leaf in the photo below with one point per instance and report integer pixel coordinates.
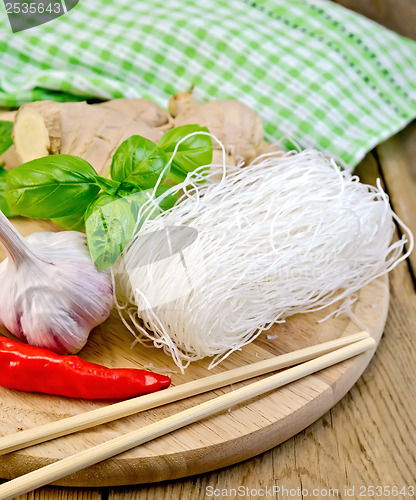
(193, 152)
(127, 191)
(72, 222)
(109, 186)
(165, 202)
(159, 204)
(5, 136)
(109, 224)
(51, 187)
(138, 163)
(4, 206)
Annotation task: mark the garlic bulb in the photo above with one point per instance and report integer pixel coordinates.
(51, 293)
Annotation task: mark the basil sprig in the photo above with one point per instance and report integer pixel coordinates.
(110, 221)
(52, 186)
(5, 136)
(138, 163)
(5, 142)
(110, 224)
(71, 222)
(193, 152)
(4, 206)
(67, 189)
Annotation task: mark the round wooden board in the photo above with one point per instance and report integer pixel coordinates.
(230, 437)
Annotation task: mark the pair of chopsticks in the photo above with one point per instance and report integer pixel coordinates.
(307, 361)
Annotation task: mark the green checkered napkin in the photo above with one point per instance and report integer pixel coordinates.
(315, 72)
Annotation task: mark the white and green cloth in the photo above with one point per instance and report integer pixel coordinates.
(315, 72)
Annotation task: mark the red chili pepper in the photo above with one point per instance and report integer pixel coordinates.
(35, 369)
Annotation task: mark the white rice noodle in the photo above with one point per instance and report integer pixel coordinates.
(290, 233)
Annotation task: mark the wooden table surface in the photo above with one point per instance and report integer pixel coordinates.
(368, 438)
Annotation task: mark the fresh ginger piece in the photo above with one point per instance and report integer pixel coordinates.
(99, 132)
(217, 166)
(237, 126)
(37, 130)
(72, 114)
(92, 132)
(142, 109)
(267, 148)
(7, 115)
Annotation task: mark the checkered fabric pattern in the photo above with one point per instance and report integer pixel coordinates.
(317, 73)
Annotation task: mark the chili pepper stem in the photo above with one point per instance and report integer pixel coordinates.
(15, 246)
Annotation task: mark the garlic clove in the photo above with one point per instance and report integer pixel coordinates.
(51, 292)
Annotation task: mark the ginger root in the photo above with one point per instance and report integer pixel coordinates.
(7, 116)
(92, 132)
(36, 130)
(142, 109)
(237, 126)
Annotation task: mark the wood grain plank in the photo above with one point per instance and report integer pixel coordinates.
(53, 493)
(398, 15)
(382, 451)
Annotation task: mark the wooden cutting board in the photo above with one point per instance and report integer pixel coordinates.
(238, 434)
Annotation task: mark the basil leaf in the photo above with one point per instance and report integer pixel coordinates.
(165, 202)
(4, 206)
(127, 191)
(138, 163)
(102, 200)
(71, 222)
(152, 209)
(109, 224)
(137, 200)
(51, 187)
(193, 152)
(5, 136)
(109, 186)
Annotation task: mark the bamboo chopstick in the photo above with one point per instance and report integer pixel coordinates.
(132, 439)
(115, 411)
